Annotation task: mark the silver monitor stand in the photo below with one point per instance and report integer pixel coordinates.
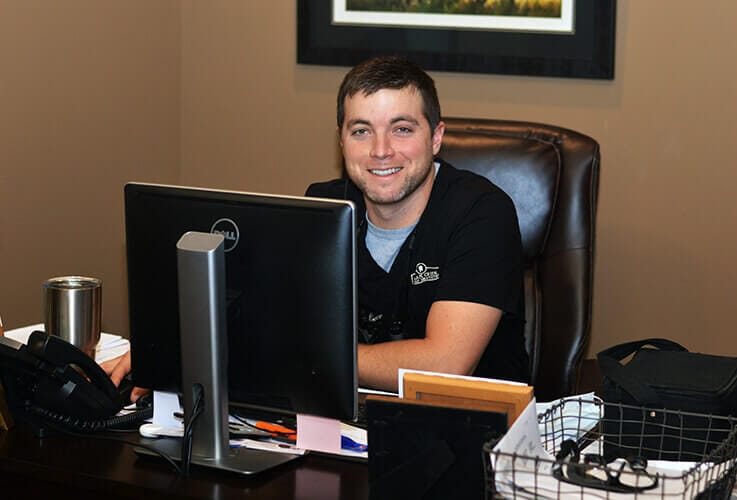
(203, 338)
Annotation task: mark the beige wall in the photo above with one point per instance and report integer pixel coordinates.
(209, 94)
(89, 99)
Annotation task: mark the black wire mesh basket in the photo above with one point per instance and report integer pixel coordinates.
(594, 449)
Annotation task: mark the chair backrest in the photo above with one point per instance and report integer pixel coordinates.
(552, 176)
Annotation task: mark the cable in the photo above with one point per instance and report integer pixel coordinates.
(81, 425)
(198, 407)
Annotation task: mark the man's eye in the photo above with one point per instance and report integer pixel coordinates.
(404, 130)
(359, 132)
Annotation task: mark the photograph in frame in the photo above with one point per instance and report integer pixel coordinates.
(585, 51)
(553, 16)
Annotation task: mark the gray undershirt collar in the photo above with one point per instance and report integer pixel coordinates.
(384, 244)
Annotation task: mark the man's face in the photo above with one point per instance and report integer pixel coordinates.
(388, 146)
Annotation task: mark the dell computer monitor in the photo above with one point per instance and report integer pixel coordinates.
(290, 290)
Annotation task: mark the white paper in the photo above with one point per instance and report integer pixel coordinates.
(365, 390)
(21, 334)
(572, 417)
(165, 405)
(256, 444)
(523, 438)
(109, 347)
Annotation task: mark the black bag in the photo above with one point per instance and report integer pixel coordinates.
(669, 402)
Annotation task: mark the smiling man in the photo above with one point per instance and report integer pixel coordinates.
(439, 251)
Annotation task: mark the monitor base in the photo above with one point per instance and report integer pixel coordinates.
(240, 460)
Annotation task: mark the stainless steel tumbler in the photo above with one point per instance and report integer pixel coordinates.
(73, 310)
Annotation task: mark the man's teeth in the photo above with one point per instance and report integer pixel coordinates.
(388, 171)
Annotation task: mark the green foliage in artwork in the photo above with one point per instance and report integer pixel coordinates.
(527, 8)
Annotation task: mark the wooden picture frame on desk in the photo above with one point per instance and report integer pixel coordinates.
(468, 392)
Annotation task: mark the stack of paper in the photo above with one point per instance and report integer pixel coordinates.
(110, 346)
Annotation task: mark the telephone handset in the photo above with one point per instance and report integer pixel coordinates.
(51, 378)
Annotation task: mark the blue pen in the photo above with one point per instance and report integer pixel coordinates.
(348, 444)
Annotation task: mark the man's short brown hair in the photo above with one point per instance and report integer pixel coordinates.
(390, 72)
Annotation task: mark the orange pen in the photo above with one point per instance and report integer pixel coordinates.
(276, 429)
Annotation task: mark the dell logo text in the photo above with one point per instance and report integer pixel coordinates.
(229, 230)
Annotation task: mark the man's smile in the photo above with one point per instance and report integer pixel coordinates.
(385, 171)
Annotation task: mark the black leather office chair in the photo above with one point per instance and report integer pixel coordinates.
(552, 175)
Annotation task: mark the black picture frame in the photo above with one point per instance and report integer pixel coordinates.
(587, 53)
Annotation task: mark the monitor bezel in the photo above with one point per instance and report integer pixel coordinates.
(242, 199)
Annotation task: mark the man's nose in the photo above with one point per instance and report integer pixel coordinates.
(382, 147)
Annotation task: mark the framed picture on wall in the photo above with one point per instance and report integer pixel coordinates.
(557, 38)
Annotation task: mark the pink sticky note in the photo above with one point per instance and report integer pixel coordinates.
(318, 433)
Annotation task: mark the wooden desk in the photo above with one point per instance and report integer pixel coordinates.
(90, 468)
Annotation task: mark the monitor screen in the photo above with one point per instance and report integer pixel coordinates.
(290, 292)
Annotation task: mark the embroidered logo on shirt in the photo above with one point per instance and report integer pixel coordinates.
(424, 273)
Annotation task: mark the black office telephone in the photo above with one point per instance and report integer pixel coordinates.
(50, 379)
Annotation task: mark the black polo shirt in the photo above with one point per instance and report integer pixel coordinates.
(465, 247)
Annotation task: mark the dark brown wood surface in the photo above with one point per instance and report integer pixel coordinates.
(70, 467)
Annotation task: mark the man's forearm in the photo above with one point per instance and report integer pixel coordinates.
(378, 364)
(456, 335)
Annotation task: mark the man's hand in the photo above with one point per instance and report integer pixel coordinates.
(117, 369)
